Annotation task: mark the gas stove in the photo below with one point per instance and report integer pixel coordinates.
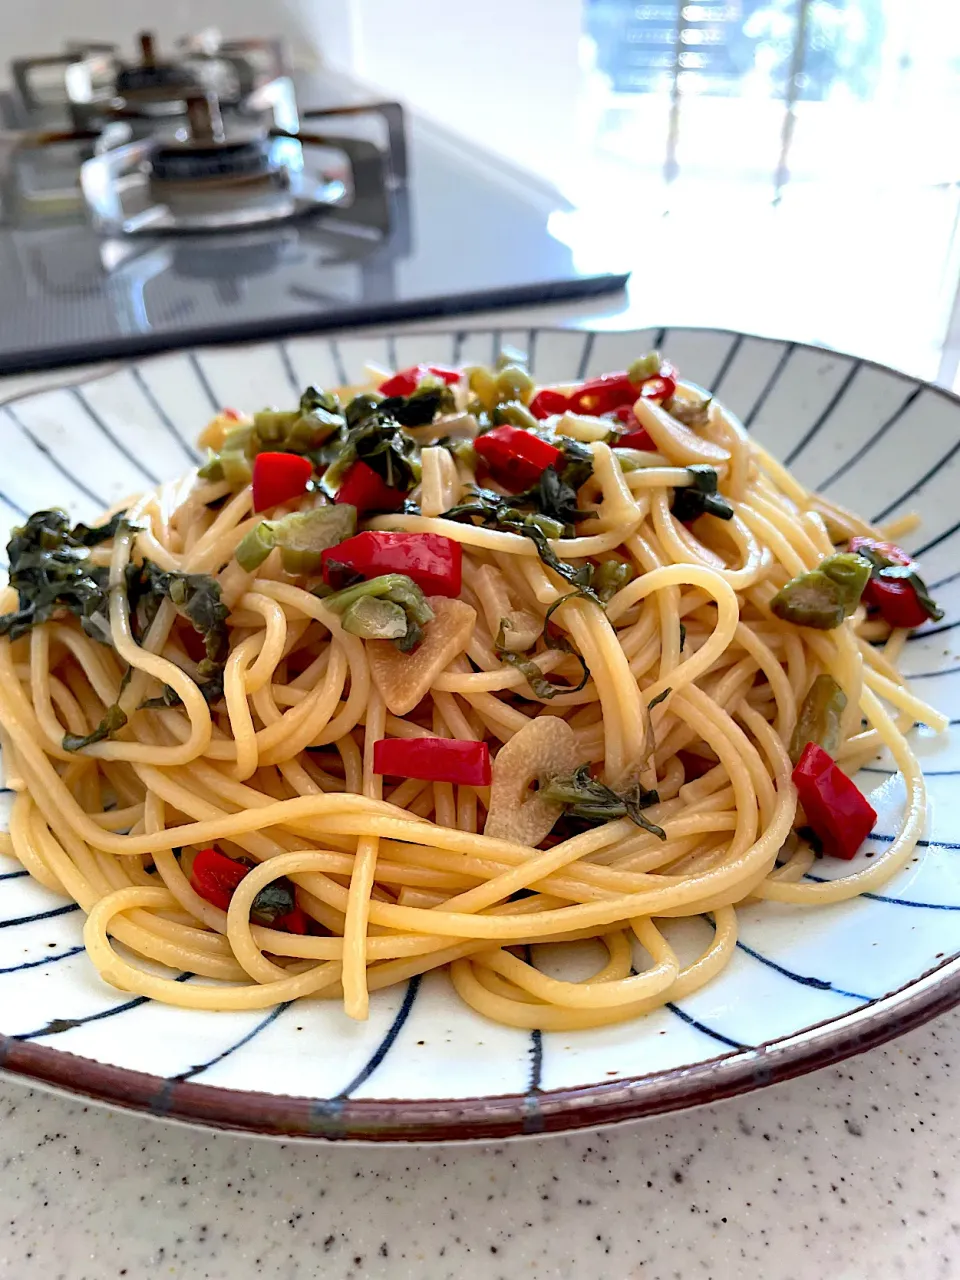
(210, 193)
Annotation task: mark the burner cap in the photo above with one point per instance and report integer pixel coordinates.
(150, 78)
(161, 78)
(211, 161)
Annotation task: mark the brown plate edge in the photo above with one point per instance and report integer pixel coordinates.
(494, 1118)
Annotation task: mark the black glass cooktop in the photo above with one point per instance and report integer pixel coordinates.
(465, 233)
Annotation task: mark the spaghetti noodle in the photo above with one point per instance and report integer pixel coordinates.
(195, 686)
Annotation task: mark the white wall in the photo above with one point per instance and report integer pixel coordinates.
(504, 73)
(40, 26)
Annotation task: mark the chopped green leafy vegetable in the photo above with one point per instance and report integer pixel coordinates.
(820, 717)
(51, 570)
(375, 619)
(114, 718)
(647, 366)
(303, 430)
(420, 407)
(378, 439)
(274, 901)
(497, 512)
(701, 498)
(694, 414)
(553, 638)
(513, 380)
(92, 537)
(826, 595)
(408, 602)
(301, 536)
(515, 414)
(611, 576)
(196, 597)
(586, 797)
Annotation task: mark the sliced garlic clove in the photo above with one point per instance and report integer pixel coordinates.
(440, 484)
(542, 749)
(405, 678)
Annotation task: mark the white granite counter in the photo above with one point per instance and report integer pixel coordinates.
(848, 1173)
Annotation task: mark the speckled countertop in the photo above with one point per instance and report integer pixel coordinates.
(849, 1173)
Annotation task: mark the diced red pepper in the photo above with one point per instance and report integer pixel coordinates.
(232, 414)
(639, 439)
(401, 384)
(434, 760)
(613, 391)
(295, 921)
(659, 388)
(434, 562)
(547, 402)
(839, 814)
(445, 372)
(214, 877)
(694, 766)
(603, 395)
(193, 643)
(406, 381)
(516, 457)
(362, 488)
(897, 601)
(279, 477)
(635, 437)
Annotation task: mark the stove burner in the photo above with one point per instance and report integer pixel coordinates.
(207, 155)
(150, 80)
(234, 161)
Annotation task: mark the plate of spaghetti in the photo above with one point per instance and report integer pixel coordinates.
(497, 733)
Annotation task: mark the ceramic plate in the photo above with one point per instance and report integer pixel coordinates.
(805, 988)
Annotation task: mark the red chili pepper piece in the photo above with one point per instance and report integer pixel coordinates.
(435, 563)
(362, 488)
(603, 395)
(659, 388)
(193, 643)
(639, 439)
(839, 814)
(516, 457)
(279, 477)
(434, 759)
(403, 383)
(694, 766)
(232, 414)
(295, 921)
(406, 381)
(897, 602)
(546, 403)
(214, 877)
(636, 437)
